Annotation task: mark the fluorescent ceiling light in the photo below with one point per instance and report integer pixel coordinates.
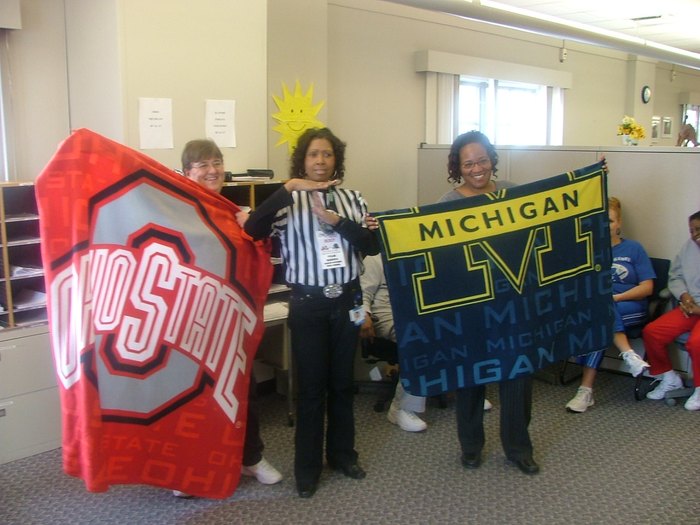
(591, 29)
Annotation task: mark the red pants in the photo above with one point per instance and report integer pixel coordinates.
(662, 332)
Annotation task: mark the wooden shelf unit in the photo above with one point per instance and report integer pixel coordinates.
(250, 193)
(22, 286)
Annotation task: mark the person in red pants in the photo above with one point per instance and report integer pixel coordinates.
(684, 284)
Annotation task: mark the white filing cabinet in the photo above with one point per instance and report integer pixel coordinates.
(30, 412)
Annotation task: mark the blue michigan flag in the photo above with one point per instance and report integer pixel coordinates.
(492, 287)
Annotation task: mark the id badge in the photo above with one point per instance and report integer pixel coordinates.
(357, 315)
(330, 250)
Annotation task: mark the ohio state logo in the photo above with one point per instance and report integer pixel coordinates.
(148, 308)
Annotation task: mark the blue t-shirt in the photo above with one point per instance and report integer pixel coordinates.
(630, 266)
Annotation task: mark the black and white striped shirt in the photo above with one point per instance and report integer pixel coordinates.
(296, 226)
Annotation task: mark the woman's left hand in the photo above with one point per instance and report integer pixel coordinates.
(688, 306)
(319, 209)
(371, 222)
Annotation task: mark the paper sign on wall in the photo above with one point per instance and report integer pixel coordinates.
(220, 122)
(155, 123)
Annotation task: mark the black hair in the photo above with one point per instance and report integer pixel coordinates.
(296, 169)
(454, 174)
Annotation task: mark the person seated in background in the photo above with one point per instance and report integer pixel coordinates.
(684, 285)
(379, 322)
(632, 282)
(687, 136)
(203, 163)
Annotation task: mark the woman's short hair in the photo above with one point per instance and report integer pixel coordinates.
(296, 169)
(198, 150)
(453, 168)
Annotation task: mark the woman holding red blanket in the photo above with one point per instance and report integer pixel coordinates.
(203, 162)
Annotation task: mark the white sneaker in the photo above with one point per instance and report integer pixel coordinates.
(487, 404)
(634, 362)
(263, 472)
(183, 495)
(581, 401)
(669, 381)
(693, 402)
(406, 419)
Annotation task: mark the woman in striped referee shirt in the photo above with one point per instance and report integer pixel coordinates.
(323, 237)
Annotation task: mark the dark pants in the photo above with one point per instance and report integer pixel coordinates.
(253, 446)
(324, 341)
(516, 408)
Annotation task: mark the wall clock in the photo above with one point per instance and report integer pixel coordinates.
(646, 94)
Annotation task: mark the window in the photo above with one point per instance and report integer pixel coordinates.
(510, 113)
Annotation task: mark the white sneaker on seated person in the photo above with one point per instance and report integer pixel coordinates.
(634, 362)
(693, 402)
(263, 471)
(669, 381)
(406, 419)
(582, 401)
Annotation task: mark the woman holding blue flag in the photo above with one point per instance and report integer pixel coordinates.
(472, 164)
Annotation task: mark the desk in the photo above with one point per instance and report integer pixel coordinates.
(274, 349)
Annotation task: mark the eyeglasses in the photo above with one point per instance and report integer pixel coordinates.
(216, 164)
(482, 163)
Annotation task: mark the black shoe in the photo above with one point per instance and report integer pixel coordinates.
(306, 490)
(351, 470)
(527, 465)
(471, 460)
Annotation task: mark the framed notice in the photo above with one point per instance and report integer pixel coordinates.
(666, 127)
(655, 128)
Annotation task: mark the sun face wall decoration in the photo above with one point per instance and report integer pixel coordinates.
(296, 114)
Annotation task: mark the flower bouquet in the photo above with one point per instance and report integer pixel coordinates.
(631, 131)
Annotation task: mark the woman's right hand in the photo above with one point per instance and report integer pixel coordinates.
(298, 184)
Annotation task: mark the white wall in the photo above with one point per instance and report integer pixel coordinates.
(297, 51)
(377, 98)
(358, 54)
(39, 86)
(191, 52)
(96, 97)
(120, 50)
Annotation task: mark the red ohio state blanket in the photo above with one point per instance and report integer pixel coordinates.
(155, 300)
